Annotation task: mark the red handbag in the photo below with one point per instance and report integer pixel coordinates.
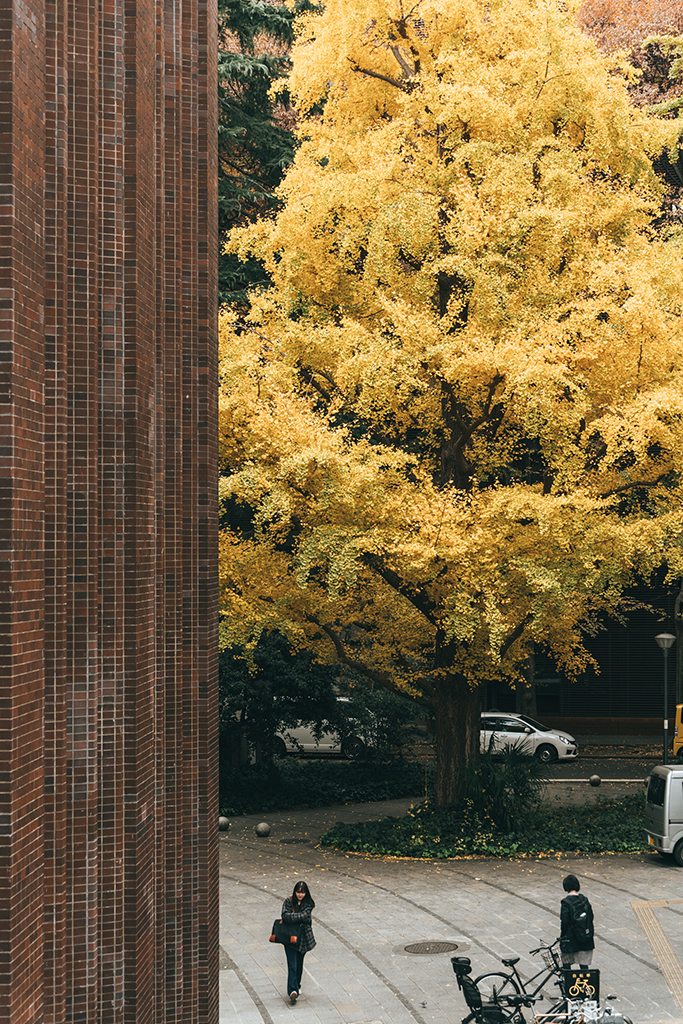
(286, 934)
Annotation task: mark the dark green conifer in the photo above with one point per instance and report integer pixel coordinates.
(255, 137)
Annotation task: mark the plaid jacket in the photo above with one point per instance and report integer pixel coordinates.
(301, 917)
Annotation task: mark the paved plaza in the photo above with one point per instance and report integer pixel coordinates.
(368, 909)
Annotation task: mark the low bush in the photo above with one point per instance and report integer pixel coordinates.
(280, 784)
(505, 786)
(611, 827)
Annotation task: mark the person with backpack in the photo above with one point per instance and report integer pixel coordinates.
(576, 921)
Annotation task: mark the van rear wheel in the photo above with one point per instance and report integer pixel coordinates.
(678, 853)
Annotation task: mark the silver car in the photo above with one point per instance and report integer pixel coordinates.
(503, 729)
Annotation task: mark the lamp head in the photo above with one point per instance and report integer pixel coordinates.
(665, 640)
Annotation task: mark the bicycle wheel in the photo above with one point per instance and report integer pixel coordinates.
(504, 985)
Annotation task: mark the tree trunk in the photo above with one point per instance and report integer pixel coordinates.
(457, 710)
(525, 691)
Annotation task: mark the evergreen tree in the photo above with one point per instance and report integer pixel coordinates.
(255, 140)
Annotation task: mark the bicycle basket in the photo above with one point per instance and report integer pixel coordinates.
(551, 959)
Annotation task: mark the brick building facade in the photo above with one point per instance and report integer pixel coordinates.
(108, 747)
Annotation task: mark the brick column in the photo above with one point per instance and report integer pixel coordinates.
(108, 735)
(22, 505)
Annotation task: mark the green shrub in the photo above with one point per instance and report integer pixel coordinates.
(388, 721)
(278, 785)
(616, 826)
(505, 787)
(280, 688)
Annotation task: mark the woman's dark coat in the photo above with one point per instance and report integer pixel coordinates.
(300, 916)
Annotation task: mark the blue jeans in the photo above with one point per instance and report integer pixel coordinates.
(295, 966)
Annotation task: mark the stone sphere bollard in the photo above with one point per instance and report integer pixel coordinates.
(595, 780)
(263, 829)
(223, 824)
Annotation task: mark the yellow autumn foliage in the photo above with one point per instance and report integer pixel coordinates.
(454, 426)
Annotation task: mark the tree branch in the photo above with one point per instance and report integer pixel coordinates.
(417, 598)
(383, 679)
(635, 483)
(515, 634)
(308, 376)
(403, 86)
(405, 66)
(467, 431)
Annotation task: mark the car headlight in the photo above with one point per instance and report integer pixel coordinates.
(570, 743)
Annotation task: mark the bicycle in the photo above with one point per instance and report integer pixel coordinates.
(494, 984)
(504, 1010)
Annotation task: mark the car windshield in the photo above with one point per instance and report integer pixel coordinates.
(534, 724)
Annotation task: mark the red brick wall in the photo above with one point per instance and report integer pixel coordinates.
(22, 502)
(108, 747)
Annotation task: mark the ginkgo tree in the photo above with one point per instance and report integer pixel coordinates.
(453, 428)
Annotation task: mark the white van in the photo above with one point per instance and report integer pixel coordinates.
(664, 811)
(302, 740)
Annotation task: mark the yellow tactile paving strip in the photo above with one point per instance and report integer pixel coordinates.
(659, 944)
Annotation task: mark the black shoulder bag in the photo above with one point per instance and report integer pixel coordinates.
(286, 934)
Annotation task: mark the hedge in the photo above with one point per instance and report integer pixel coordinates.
(611, 827)
(289, 783)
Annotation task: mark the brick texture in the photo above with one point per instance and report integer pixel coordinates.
(108, 586)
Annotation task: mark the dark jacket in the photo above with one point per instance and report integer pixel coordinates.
(300, 916)
(569, 942)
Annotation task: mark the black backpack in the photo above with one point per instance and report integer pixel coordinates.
(581, 921)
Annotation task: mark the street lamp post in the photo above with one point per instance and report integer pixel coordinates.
(665, 641)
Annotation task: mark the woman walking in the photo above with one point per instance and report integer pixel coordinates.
(297, 910)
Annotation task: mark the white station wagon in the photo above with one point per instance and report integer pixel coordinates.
(505, 729)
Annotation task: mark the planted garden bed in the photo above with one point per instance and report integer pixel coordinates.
(609, 827)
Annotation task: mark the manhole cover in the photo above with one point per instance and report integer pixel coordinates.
(431, 947)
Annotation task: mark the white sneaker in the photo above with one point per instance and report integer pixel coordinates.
(293, 996)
